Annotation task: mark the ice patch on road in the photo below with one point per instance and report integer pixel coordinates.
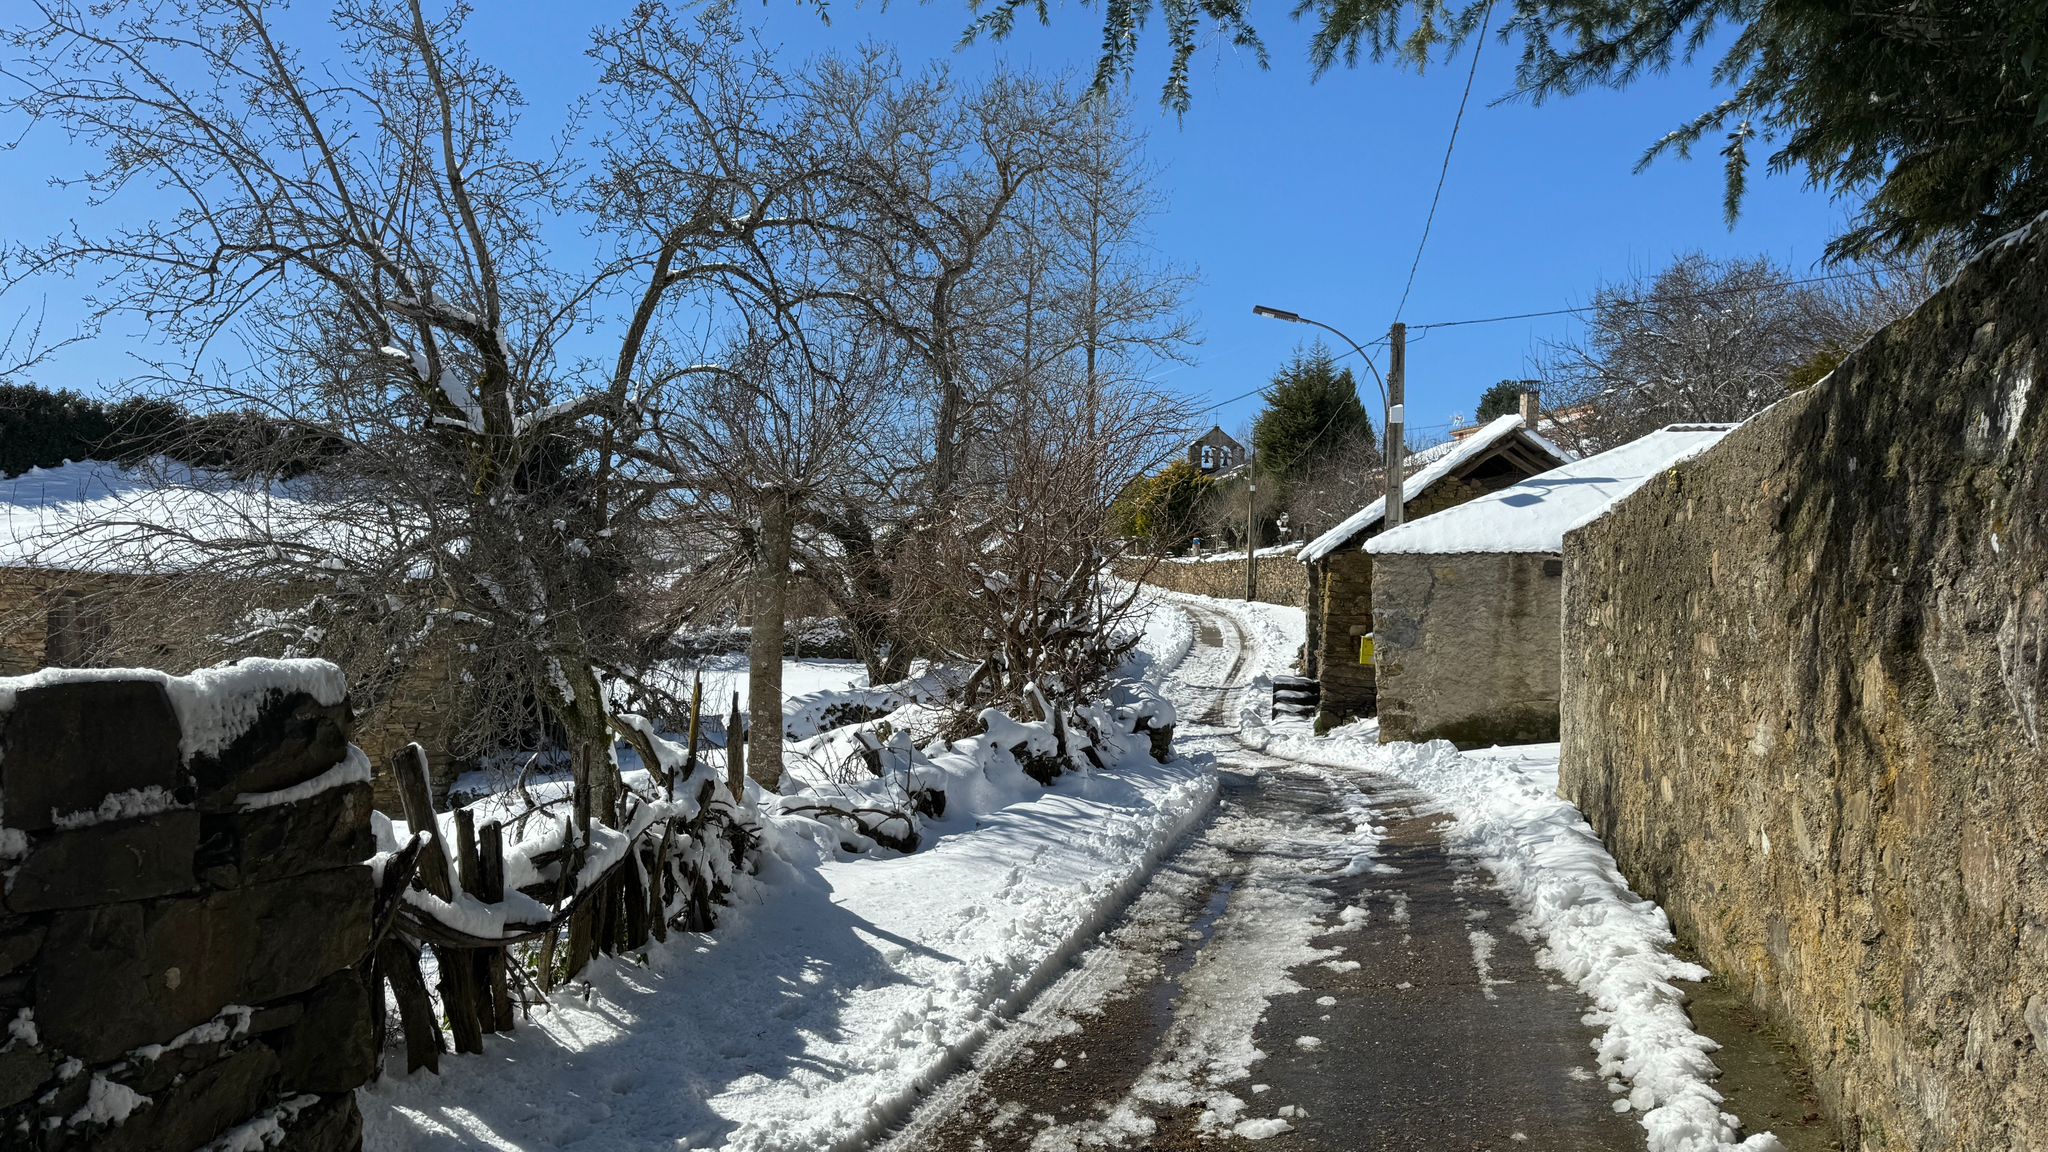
(1482, 962)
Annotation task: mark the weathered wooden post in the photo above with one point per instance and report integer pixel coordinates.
(735, 753)
(398, 956)
(491, 887)
(458, 971)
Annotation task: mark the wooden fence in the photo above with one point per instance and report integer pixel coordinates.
(596, 890)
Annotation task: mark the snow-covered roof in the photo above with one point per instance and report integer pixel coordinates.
(1534, 515)
(1440, 461)
(104, 517)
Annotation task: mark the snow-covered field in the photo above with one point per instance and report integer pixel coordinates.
(834, 990)
(726, 674)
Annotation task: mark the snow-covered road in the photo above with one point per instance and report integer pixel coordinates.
(1310, 969)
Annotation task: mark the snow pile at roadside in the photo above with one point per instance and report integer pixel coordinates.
(837, 987)
(1611, 944)
(866, 784)
(825, 1001)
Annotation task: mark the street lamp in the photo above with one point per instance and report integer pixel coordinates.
(1390, 396)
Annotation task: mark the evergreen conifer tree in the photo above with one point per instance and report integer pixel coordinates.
(1503, 399)
(1312, 411)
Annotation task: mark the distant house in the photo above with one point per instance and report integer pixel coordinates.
(1215, 452)
(1467, 601)
(1340, 577)
(1554, 424)
(103, 566)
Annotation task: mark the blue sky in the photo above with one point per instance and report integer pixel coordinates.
(1307, 195)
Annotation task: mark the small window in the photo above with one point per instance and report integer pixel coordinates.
(1553, 567)
(1208, 457)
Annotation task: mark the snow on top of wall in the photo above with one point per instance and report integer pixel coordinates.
(1534, 515)
(96, 516)
(214, 705)
(1228, 556)
(1440, 465)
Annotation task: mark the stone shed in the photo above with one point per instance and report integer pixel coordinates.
(99, 569)
(1467, 601)
(1340, 605)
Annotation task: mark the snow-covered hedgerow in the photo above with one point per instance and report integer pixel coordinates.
(1611, 944)
(869, 784)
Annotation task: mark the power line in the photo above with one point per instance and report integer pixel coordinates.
(1262, 387)
(1710, 295)
(1478, 42)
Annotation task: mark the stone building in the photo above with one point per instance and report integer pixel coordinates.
(1215, 452)
(1467, 601)
(1340, 578)
(99, 568)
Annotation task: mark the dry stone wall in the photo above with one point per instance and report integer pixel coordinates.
(1281, 578)
(1803, 704)
(186, 906)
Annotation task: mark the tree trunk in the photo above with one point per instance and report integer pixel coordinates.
(764, 672)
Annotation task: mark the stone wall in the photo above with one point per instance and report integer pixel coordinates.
(1803, 704)
(1281, 578)
(186, 906)
(27, 596)
(1466, 647)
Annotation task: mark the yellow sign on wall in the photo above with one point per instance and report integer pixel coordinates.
(1365, 649)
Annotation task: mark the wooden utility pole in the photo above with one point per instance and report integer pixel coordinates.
(1251, 527)
(1397, 371)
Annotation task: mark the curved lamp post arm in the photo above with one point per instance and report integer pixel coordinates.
(1297, 318)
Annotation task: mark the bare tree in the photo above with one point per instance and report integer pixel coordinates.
(787, 430)
(1707, 340)
(996, 230)
(385, 249)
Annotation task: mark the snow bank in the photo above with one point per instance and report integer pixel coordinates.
(832, 993)
(838, 987)
(1611, 944)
